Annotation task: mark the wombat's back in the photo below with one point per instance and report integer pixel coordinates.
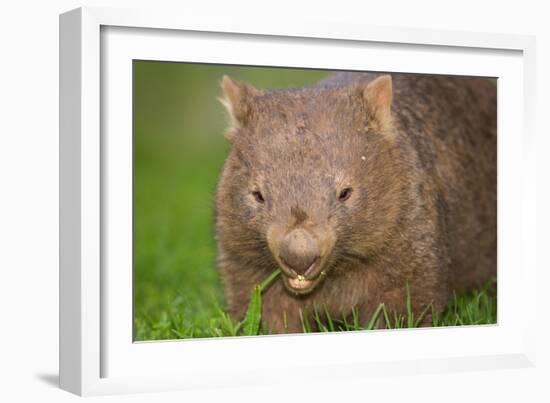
(450, 124)
(456, 142)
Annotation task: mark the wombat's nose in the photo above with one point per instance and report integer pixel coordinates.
(299, 250)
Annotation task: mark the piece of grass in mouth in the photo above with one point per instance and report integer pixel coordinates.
(253, 319)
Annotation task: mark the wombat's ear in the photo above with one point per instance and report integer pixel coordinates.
(237, 99)
(378, 96)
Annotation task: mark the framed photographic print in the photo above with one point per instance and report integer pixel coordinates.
(235, 194)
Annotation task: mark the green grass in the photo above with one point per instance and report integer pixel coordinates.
(474, 308)
(179, 150)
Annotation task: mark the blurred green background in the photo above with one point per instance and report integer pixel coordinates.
(179, 150)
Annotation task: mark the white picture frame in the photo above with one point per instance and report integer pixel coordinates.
(96, 354)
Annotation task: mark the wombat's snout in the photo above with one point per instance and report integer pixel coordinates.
(299, 251)
(301, 254)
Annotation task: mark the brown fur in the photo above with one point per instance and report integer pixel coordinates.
(419, 155)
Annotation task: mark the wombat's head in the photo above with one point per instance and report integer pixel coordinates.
(309, 182)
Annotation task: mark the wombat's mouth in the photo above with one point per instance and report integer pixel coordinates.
(300, 285)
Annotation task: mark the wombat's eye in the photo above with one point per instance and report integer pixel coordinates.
(345, 194)
(258, 196)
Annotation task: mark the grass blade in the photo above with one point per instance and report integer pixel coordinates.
(268, 280)
(251, 325)
(305, 321)
(386, 317)
(329, 320)
(356, 321)
(318, 321)
(422, 314)
(374, 317)
(410, 314)
(253, 318)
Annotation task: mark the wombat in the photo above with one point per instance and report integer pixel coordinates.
(362, 189)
